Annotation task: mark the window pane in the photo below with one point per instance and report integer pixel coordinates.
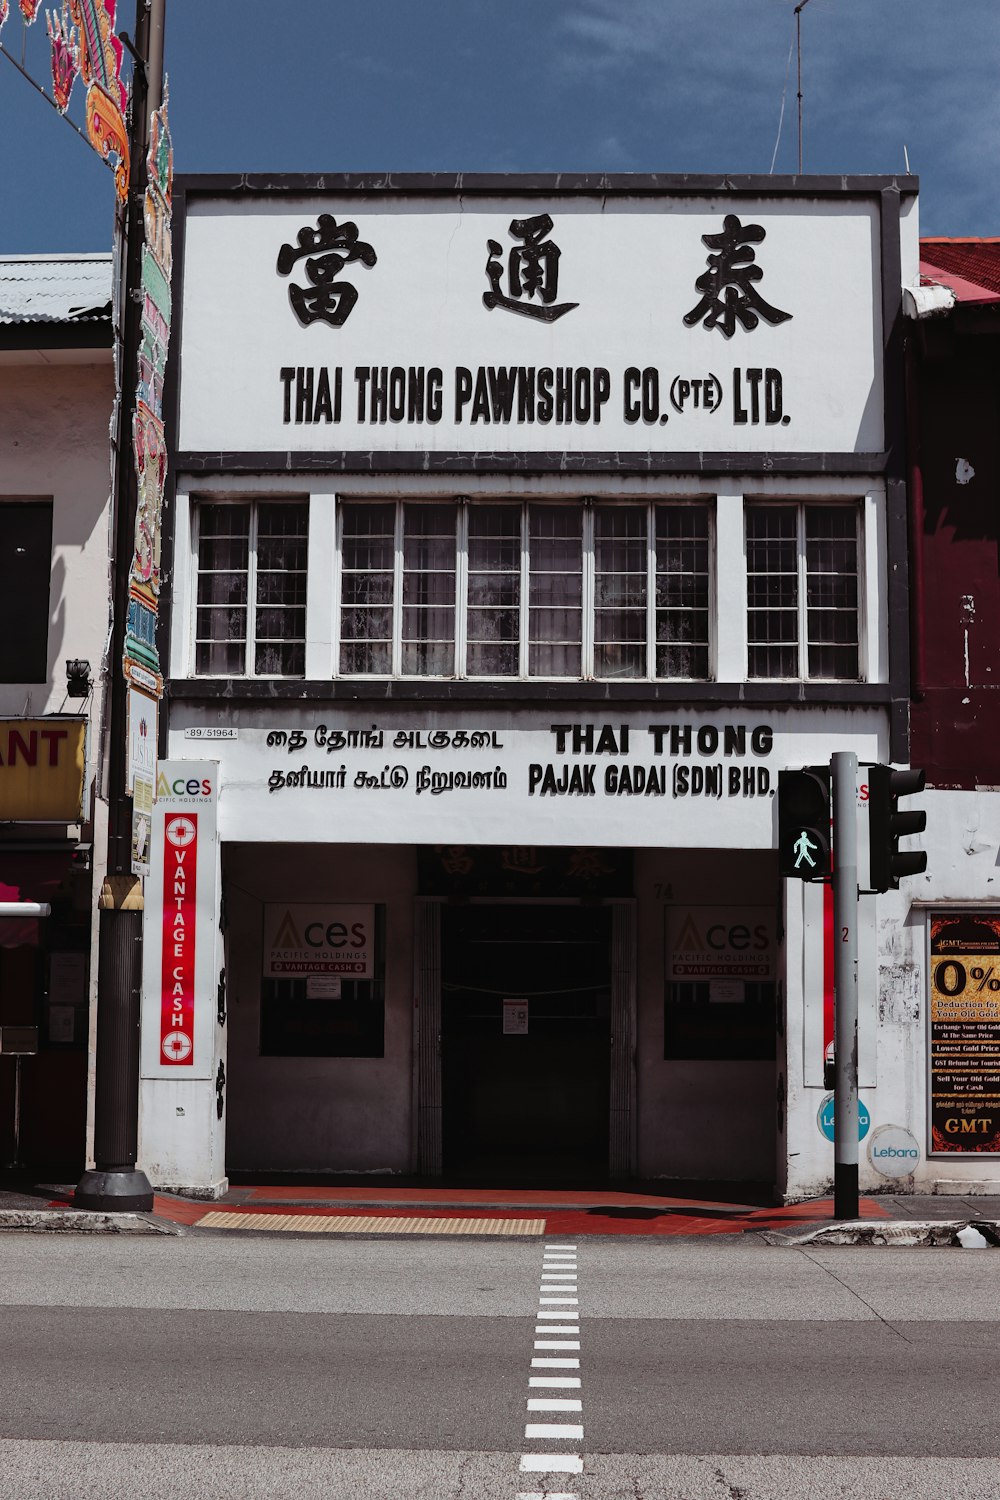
(357, 657)
(493, 660)
(772, 590)
(219, 659)
(554, 660)
(429, 560)
(832, 591)
(222, 589)
(494, 590)
(429, 658)
(280, 658)
(282, 544)
(555, 590)
(621, 567)
(367, 586)
(682, 590)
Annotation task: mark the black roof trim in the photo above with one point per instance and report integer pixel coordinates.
(578, 461)
(426, 691)
(91, 333)
(550, 183)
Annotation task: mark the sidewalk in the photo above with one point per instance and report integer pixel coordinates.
(385, 1207)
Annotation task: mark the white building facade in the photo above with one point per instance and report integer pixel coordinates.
(522, 532)
(56, 400)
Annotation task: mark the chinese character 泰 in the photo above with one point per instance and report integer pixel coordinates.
(531, 268)
(587, 864)
(732, 272)
(330, 246)
(521, 859)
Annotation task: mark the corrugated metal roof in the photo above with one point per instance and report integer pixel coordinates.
(971, 267)
(55, 289)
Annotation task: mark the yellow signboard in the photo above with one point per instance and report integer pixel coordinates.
(42, 767)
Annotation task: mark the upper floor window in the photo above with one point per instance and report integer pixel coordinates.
(250, 617)
(535, 590)
(802, 591)
(25, 571)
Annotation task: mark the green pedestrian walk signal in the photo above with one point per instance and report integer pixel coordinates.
(804, 823)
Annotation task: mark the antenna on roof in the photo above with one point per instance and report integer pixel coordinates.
(906, 159)
(798, 43)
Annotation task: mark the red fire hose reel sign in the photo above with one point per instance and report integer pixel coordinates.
(180, 865)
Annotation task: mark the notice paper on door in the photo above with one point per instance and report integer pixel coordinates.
(515, 1018)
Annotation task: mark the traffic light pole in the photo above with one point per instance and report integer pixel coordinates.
(844, 777)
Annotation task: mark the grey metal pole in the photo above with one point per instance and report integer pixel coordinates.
(844, 776)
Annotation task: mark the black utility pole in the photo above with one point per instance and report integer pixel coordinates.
(114, 1183)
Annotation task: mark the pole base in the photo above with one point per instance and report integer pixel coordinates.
(116, 1192)
(845, 1190)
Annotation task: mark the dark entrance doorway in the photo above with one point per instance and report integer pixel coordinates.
(531, 1100)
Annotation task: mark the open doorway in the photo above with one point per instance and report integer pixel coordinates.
(526, 1040)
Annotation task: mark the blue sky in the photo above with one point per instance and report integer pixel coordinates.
(534, 85)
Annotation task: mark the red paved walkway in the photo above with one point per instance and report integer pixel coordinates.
(565, 1211)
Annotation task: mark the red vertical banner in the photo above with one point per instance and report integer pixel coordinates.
(180, 868)
(828, 938)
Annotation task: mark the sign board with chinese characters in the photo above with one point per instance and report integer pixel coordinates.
(617, 319)
(42, 766)
(180, 962)
(667, 777)
(300, 940)
(964, 1019)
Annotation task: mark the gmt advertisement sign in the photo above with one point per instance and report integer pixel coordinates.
(965, 1034)
(402, 322)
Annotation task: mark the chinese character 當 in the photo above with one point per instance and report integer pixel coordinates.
(330, 247)
(532, 268)
(727, 287)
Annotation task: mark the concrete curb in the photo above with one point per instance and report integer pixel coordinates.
(903, 1233)
(70, 1221)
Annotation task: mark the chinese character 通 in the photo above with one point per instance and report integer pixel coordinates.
(531, 267)
(521, 859)
(455, 860)
(727, 287)
(331, 247)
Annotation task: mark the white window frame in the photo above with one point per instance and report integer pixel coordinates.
(586, 504)
(801, 503)
(196, 501)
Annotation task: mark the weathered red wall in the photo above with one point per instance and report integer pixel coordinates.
(955, 725)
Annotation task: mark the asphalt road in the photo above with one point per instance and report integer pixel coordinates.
(258, 1366)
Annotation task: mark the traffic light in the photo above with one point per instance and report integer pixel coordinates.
(887, 825)
(804, 823)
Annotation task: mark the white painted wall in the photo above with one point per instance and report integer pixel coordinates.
(699, 1118)
(55, 410)
(349, 1114)
(963, 867)
(54, 445)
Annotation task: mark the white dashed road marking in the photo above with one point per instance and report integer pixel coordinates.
(554, 1317)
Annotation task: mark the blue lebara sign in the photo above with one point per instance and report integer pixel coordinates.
(824, 1118)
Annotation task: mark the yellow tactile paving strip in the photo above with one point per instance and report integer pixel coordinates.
(368, 1224)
